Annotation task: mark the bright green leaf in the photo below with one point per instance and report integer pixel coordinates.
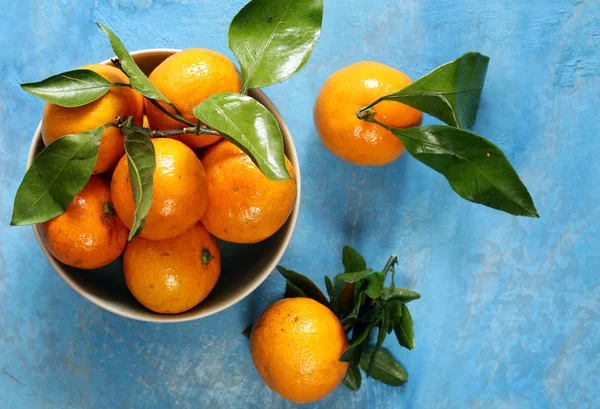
(57, 174)
(401, 294)
(249, 125)
(273, 40)
(353, 378)
(404, 329)
(352, 260)
(354, 277)
(70, 89)
(138, 80)
(304, 284)
(450, 93)
(142, 162)
(385, 368)
(475, 168)
(371, 287)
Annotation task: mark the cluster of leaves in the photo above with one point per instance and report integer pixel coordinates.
(361, 300)
(475, 168)
(272, 41)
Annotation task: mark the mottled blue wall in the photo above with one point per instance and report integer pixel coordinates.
(510, 311)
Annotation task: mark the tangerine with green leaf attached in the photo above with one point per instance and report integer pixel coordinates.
(173, 275)
(119, 101)
(296, 345)
(347, 91)
(179, 191)
(88, 234)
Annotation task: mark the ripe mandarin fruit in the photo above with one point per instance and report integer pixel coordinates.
(118, 101)
(179, 192)
(89, 234)
(173, 275)
(244, 206)
(187, 78)
(296, 345)
(350, 89)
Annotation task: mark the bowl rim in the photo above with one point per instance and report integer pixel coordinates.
(292, 155)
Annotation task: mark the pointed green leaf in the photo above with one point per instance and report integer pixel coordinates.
(404, 329)
(383, 328)
(450, 93)
(401, 294)
(248, 330)
(142, 162)
(138, 80)
(292, 291)
(304, 284)
(360, 336)
(70, 89)
(370, 286)
(57, 174)
(332, 300)
(353, 378)
(249, 125)
(352, 260)
(475, 168)
(273, 40)
(385, 368)
(354, 277)
(394, 308)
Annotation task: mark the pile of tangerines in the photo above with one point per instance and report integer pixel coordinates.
(203, 186)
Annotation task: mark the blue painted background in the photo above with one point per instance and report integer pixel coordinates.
(510, 314)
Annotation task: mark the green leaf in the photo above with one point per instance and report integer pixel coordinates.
(352, 260)
(249, 125)
(450, 93)
(332, 300)
(404, 329)
(475, 168)
(370, 286)
(57, 174)
(360, 336)
(273, 40)
(383, 330)
(401, 294)
(353, 378)
(248, 330)
(137, 79)
(292, 291)
(142, 162)
(385, 368)
(304, 284)
(394, 308)
(354, 277)
(70, 89)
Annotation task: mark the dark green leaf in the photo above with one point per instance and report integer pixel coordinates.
(385, 368)
(142, 162)
(338, 285)
(360, 336)
(370, 286)
(404, 329)
(394, 308)
(353, 377)
(383, 329)
(248, 330)
(273, 40)
(57, 174)
(401, 294)
(332, 300)
(249, 125)
(138, 80)
(354, 277)
(450, 93)
(70, 89)
(292, 291)
(475, 168)
(352, 260)
(304, 284)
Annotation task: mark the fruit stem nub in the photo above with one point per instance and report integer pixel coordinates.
(206, 257)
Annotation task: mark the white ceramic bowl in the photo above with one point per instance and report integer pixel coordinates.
(243, 268)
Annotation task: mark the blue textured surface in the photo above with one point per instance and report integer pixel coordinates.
(510, 314)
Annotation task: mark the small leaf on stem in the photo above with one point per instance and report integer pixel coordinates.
(404, 329)
(352, 260)
(70, 89)
(401, 294)
(304, 284)
(142, 162)
(385, 368)
(250, 126)
(57, 174)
